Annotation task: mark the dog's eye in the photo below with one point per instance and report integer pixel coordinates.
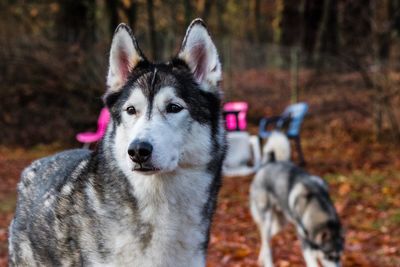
(174, 108)
(131, 110)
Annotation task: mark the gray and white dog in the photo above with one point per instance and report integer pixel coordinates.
(146, 196)
(282, 192)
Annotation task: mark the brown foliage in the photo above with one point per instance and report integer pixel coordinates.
(338, 142)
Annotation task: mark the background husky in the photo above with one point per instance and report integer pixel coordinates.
(277, 149)
(147, 195)
(283, 192)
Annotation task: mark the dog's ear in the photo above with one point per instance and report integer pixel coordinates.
(125, 55)
(200, 54)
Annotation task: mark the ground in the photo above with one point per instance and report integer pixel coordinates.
(367, 203)
(364, 178)
(369, 214)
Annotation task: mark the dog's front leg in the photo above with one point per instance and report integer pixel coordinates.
(328, 263)
(265, 257)
(310, 257)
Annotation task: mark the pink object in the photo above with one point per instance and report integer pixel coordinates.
(102, 121)
(241, 108)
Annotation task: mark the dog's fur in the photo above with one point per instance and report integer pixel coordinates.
(283, 192)
(102, 208)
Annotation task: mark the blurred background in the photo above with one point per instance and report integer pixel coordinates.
(342, 57)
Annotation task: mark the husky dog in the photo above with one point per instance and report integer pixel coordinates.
(147, 195)
(283, 192)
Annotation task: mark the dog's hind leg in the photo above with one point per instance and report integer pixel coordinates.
(278, 221)
(268, 220)
(265, 257)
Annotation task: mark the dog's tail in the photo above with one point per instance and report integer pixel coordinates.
(277, 148)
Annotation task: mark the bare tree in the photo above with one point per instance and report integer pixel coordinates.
(112, 8)
(207, 9)
(152, 29)
(257, 20)
(311, 23)
(327, 40)
(131, 13)
(188, 11)
(76, 21)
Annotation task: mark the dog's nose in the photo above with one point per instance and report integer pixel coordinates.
(140, 151)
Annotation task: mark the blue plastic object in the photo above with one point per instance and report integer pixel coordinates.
(293, 117)
(293, 114)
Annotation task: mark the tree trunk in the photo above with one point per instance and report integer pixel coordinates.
(112, 7)
(277, 21)
(220, 14)
(394, 14)
(76, 22)
(394, 125)
(206, 9)
(188, 12)
(131, 13)
(152, 30)
(327, 41)
(289, 29)
(377, 114)
(311, 20)
(356, 30)
(257, 21)
(290, 24)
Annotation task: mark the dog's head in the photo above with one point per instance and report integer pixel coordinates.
(330, 241)
(164, 115)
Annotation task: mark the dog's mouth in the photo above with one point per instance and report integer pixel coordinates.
(145, 169)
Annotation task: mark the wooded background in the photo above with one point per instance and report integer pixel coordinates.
(340, 56)
(53, 54)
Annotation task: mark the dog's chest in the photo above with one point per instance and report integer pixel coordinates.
(168, 230)
(162, 242)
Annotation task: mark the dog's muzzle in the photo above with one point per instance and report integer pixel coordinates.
(140, 153)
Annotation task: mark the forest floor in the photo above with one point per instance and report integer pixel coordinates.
(364, 177)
